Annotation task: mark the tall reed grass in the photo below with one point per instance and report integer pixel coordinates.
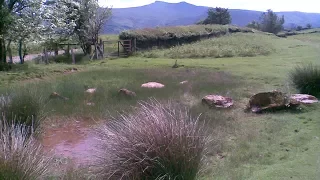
(21, 157)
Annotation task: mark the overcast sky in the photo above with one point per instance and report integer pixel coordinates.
(261, 5)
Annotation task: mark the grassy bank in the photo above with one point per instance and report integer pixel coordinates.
(243, 45)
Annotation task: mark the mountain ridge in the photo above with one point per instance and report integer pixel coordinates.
(162, 13)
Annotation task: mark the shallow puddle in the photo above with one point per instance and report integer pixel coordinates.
(74, 140)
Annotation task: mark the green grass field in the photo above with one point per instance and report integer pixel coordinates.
(282, 145)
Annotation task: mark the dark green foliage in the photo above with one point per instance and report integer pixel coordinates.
(306, 79)
(218, 15)
(254, 25)
(270, 22)
(299, 28)
(173, 36)
(309, 26)
(5, 66)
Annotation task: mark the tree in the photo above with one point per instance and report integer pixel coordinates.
(254, 25)
(299, 28)
(12, 12)
(25, 26)
(91, 19)
(218, 16)
(309, 26)
(270, 22)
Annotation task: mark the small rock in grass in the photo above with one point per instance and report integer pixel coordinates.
(152, 85)
(127, 93)
(90, 104)
(184, 82)
(217, 101)
(304, 98)
(55, 95)
(91, 91)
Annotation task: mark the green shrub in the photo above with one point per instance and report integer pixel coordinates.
(5, 66)
(158, 141)
(21, 157)
(306, 79)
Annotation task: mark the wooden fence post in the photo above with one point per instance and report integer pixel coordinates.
(135, 45)
(118, 48)
(45, 56)
(73, 57)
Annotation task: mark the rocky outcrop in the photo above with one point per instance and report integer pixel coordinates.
(269, 101)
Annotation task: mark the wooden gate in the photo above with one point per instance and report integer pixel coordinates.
(118, 48)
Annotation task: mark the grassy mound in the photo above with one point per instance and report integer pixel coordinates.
(171, 36)
(243, 45)
(158, 141)
(306, 79)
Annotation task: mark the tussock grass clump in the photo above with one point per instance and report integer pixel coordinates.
(24, 107)
(306, 78)
(158, 141)
(243, 45)
(21, 157)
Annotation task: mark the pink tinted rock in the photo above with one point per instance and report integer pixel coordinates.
(91, 91)
(304, 98)
(152, 85)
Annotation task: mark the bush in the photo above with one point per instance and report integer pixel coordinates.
(306, 79)
(5, 66)
(21, 157)
(158, 141)
(24, 107)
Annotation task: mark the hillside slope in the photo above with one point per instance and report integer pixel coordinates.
(173, 14)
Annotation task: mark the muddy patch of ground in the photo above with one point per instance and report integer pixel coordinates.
(75, 140)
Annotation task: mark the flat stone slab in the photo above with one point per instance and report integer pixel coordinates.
(153, 85)
(217, 101)
(304, 98)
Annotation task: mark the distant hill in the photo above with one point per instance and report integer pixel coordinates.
(173, 14)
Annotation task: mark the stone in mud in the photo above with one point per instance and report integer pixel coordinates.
(304, 98)
(55, 95)
(269, 101)
(152, 85)
(91, 91)
(126, 92)
(217, 101)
